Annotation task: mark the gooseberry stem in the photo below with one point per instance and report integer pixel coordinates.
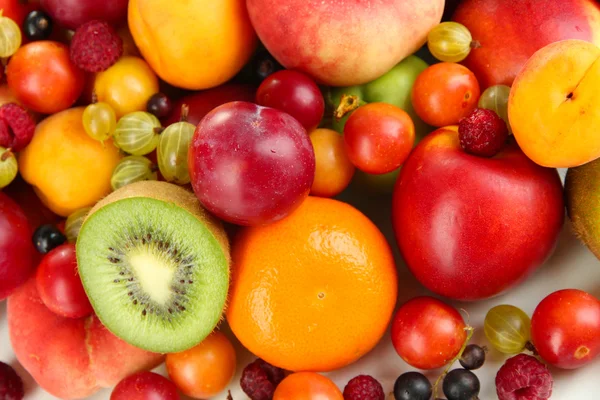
(348, 103)
(158, 130)
(470, 330)
(5, 155)
(185, 111)
(475, 44)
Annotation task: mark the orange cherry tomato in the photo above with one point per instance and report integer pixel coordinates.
(379, 137)
(307, 386)
(444, 93)
(333, 169)
(205, 370)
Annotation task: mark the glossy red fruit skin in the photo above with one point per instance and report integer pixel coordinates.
(145, 385)
(72, 13)
(294, 93)
(378, 137)
(42, 70)
(37, 213)
(17, 10)
(427, 333)
(503, 50)
(444, 93)
(565, 328)
(464, 224)
(201, 103)
(59, 285)
(17, 254)
(250, 165)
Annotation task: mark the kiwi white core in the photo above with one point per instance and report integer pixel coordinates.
(153, 272)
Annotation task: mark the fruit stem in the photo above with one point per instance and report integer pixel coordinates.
(475, 44)
(467, 314)
(5, 155)
(158, 130)
(185, 111)
(470, 330)
(348, 103)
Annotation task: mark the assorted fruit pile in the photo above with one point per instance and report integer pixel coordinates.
(168, 170)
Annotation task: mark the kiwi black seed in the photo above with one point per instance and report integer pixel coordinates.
(155, 266)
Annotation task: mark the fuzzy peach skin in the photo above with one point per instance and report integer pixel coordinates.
(69, 358)
(343, 42)
(510, 31)
(554, 107)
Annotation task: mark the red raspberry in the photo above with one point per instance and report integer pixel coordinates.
(274, 374)
(16, 127)
(482, 133)
(259, 380)
(363, 387)
(95, 46)
(11, 385)
(523, 377)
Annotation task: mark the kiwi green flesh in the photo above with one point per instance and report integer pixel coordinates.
(154, 273)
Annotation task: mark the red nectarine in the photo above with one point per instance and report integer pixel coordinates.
(527, 26)
(471, 227)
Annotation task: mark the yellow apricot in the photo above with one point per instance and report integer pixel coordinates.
(68, 169)
(193, 44)
(127, 85)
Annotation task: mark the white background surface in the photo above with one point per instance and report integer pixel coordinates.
(571, 266)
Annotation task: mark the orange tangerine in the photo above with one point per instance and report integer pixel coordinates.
(314, 291)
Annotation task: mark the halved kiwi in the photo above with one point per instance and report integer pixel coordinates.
(155, 266)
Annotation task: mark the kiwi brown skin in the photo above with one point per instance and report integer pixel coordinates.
(582, 198)
(169, 193)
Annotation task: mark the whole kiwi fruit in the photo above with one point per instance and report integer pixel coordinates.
(582, 198)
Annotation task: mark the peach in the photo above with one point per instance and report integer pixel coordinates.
(343, 43)
(527, 26)
(554, 108)
(69, 358)
(193, 44)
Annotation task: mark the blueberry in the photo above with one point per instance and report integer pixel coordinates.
(47, 237)
(37, 25)
(461, 384)
(412, 386)
(473, 357)
(160, 105)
